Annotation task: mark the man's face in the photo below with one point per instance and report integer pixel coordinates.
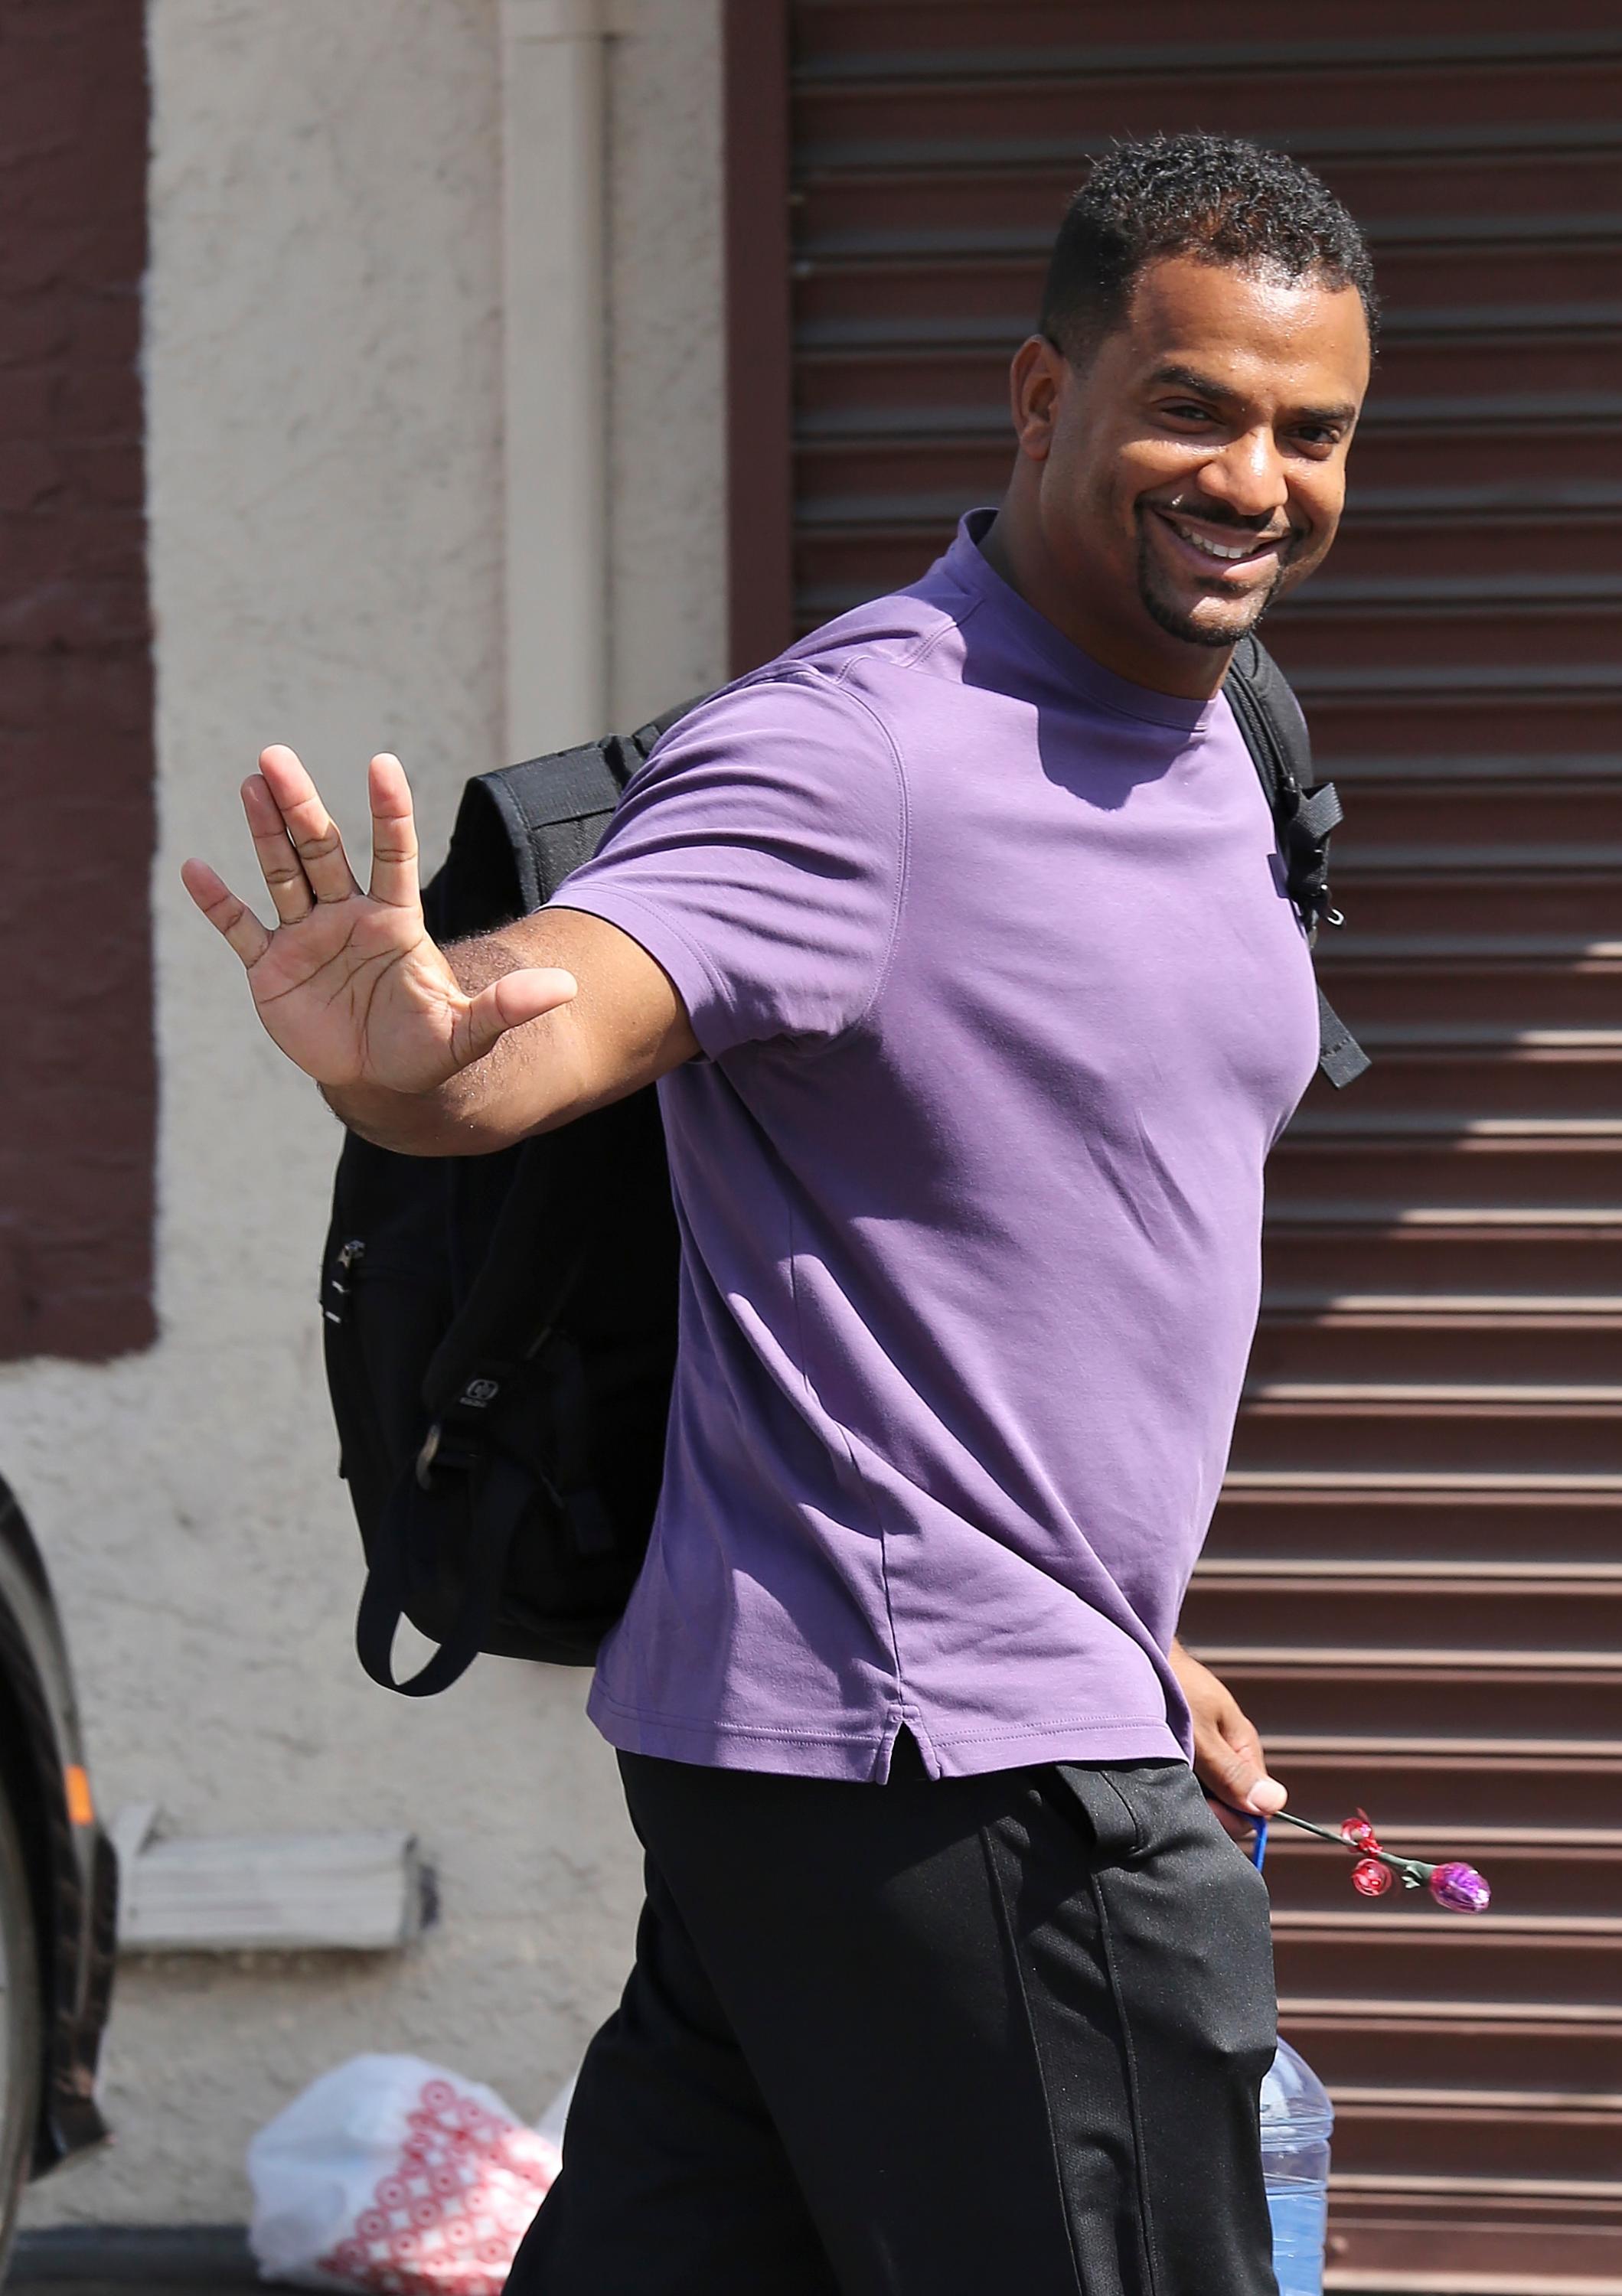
(1193, 468)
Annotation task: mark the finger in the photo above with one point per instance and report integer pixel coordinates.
(507, 1004)
(1264, 1794)
(1236, 1767)
(231, 918)
(310, 824)
(279, 864)
(394, 835)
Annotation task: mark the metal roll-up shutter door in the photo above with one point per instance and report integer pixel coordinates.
(1415, 1581)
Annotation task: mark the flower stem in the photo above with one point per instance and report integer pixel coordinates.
(1323, 1832)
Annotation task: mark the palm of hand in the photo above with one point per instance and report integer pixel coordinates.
(348, 982)
(357, 992)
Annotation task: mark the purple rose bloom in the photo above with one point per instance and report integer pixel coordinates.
(1460, 1889)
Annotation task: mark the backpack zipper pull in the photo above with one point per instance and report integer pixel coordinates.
(345, 1261)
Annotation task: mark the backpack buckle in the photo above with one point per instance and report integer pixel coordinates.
(429, 1453)
(479, 1392)
(439, 1455)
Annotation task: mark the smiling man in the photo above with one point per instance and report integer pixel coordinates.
(956, 940)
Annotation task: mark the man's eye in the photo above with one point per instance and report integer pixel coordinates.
(1186, 411)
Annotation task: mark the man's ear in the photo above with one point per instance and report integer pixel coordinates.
(1034, 381)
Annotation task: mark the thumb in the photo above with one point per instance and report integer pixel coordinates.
(1266, 1797)
(507, 1004)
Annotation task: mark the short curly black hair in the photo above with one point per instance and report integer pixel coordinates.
(1213, 197)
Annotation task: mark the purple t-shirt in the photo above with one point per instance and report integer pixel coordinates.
(1003, 1006)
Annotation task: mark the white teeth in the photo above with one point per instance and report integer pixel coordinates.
(1214, 549)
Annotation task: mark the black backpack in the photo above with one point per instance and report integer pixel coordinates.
(500, 1330)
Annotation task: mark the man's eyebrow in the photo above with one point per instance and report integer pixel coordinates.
(1188, 378)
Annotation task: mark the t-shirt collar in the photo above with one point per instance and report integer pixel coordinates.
(966, 564)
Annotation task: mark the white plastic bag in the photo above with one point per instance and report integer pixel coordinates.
(393, 2175)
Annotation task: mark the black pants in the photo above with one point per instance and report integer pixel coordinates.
(985, 2036)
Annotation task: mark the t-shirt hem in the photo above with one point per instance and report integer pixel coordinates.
(696, 983)
(861, 1756)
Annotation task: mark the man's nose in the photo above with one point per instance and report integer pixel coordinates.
(1247, 476)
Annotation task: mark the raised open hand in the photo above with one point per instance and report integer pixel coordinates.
(349, 983)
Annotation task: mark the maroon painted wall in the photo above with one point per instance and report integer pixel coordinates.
(77, 1067)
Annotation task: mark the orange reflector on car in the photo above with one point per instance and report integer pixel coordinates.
(81, 1806)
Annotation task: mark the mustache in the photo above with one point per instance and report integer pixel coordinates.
(1260, 529)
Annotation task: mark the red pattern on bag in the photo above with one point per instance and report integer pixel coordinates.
(448, 2220)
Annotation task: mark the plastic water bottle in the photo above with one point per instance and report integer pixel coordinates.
(1296, 2118)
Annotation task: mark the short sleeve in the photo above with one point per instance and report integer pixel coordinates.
(759, 858)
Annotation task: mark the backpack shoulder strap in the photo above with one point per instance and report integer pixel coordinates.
(1274, 731)
(1254, 678)
(523, 829)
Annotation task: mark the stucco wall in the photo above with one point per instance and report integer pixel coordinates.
(667, 438)
(324, 433)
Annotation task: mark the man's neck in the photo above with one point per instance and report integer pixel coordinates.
(1147, 656)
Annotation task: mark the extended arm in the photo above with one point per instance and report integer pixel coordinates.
(624, 1026)
(428, 1051)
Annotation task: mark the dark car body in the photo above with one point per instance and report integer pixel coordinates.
(72, 1871)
